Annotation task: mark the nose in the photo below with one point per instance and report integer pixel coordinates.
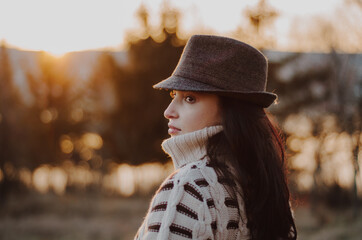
(170, 111)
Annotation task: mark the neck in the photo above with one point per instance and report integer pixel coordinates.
(189, 147)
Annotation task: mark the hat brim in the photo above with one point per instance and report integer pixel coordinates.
(264, 99)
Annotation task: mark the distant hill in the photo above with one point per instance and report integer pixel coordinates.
(78, 64)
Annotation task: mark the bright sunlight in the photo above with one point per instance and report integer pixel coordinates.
(63, 26)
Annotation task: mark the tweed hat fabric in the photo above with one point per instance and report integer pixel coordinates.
(223, 66)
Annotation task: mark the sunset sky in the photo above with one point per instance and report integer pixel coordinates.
(59, 26)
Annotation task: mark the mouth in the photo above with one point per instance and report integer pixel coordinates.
(173, 130)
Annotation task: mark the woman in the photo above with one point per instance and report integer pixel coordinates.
(229, 180)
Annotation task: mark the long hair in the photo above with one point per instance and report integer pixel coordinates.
(256, 153)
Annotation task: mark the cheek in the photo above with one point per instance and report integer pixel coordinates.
(203, 117)
(211, 116)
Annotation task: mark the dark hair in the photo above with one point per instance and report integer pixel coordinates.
(256, 153)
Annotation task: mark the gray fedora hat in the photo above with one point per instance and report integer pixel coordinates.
(223, 66)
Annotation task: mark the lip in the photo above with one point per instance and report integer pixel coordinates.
(172, 130)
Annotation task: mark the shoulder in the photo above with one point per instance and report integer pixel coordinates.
(197, 173)
(198, 178)
(189, 178)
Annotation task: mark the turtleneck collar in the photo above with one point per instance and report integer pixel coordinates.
(189, 147)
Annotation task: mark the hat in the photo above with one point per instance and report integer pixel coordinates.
(222, 66)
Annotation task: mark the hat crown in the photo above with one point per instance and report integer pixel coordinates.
(224, 63)
(223, 66)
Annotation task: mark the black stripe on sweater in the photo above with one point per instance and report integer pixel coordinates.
(180, 230)
(230, 202)
(160, 207)
(232, 225)
(154, 227)
(182, 208)
(166, 187)
(201, 182)
(213, 225)
(210, 203)
(192, 191)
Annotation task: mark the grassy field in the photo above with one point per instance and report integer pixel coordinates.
(50, 217)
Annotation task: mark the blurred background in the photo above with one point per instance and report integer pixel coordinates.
(81, 126)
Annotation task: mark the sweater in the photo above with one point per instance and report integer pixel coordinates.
(193, 202)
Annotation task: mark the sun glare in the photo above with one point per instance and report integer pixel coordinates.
(58, 53)
(62, 26)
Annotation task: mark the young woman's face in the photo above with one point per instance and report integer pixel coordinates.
(191, 111)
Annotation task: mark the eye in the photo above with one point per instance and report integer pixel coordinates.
(190, 99)
(173, 94)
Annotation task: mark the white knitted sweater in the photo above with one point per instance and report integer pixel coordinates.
(193, 203)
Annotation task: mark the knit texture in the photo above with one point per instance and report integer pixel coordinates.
(193, 202)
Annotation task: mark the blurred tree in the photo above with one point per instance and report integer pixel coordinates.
(138, 125)
(329, 88)
(104, 97)
(346, 105)
(9, 105)
(339, 31)
(356, 2)
(260, 19)
(338, 81)
(296, 93)
(50, 117)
